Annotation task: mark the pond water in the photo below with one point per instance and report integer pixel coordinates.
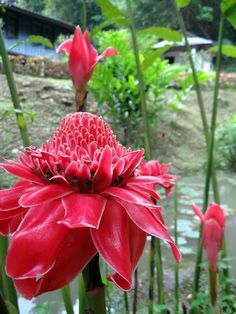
(190, 190)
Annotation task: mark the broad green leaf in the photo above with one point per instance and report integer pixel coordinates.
(162, 32)
(153, 55)
(183, 3)
(37, 39)
(228, 8)
(227, 50)
(110, 11)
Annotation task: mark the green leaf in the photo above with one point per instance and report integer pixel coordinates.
(183, 3)
(227, 50)
(11, 308)
(117, 20)
(110, 11)
(228, 8)
(37, 39)
(18, 43)
(162, 32)
(153, 55)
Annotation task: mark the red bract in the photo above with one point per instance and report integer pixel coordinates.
(82, 59)
(78, 195)
(155, 168)
(213, 231)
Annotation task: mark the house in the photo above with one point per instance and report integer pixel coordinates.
(199, 46)
(19, 24)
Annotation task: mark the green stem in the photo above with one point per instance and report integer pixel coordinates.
(14, 95)
(8, 289)
(159, 267)
(95, 290)
(176, 242)
(126, 302)
(211, 173)
(141, 82)
(135, 298)
(66, 294)
(82, 294)
(213, 286)
(84, 15)
(147, 144)
(151, 275)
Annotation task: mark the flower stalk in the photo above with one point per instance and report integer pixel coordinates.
(14, 95)
(95, 290)
(148, 153)
(8, 289)
(66, 295)
(209, 137)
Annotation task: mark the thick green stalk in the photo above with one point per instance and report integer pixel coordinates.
(84, 15)
(8, 289)
(140, 80)
(94, 288)
(66, 294)
(14, 95)
(176, 242)
(213, 286)
(147, 145)
(151, 275)
(126, 302)
(160, 279)
(211, 173)
(82, 294)
(135, 297)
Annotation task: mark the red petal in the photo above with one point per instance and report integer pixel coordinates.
(9, 198)
(149, 223)
(143, 190)
(44, 194)
(129, 196)
(10, 225)
(107, 53)
(198, 212)
(115, 243)
(74, 254)
(21, 171)
(83, 210)
(103, 176)
(134, 160)
(65, 46)
(216, 212)
(34, 246)
(212, 240)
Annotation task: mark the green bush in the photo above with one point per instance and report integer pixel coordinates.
(114, 85)
(226, 143)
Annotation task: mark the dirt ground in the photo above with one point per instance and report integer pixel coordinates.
(178, 139)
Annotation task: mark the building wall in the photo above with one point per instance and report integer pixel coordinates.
(27, 26)
(201, 58)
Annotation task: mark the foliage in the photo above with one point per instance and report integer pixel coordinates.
(114, 84)
(226, 139)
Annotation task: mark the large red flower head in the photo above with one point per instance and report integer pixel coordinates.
(78, 195)
(155, 168)
(213, 231)
(82, 59)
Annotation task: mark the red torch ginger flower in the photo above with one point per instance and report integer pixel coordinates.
(78, 195)
(213, 231)
(82, 59)
(155, 168)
